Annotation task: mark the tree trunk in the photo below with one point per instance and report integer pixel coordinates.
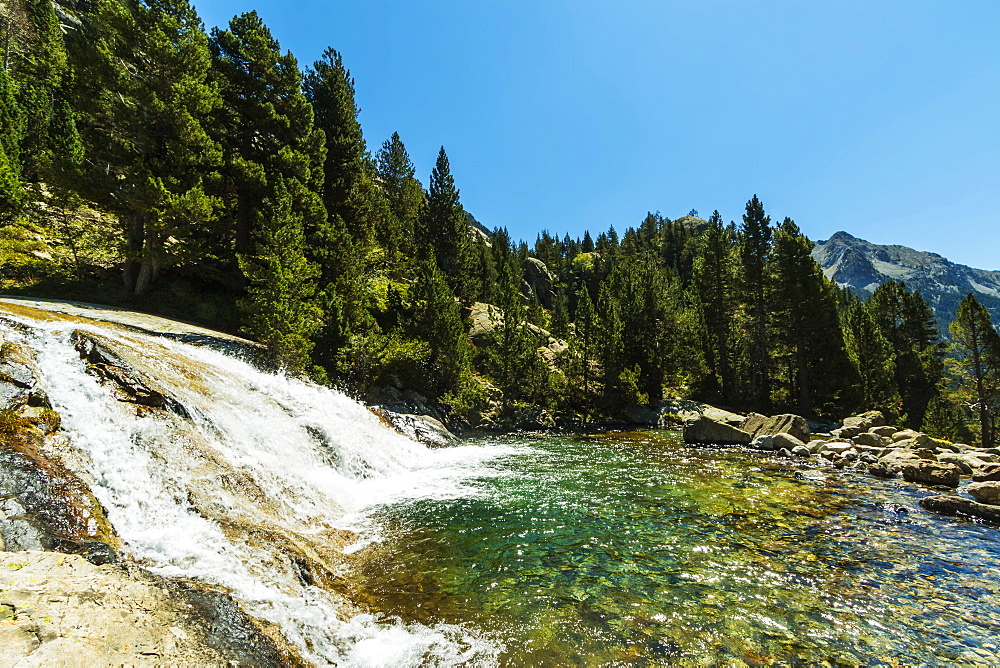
(135, 237)
(805, 398)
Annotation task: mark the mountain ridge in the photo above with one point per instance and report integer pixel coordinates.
(862, 266)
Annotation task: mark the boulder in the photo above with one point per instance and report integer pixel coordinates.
(958, 461)
(932, 473)
(801, 451)
(687, 409)
(837, 447)
(952, 504)
(865, 421)
(787, 441)
(423, 428)
(904, 434)
(846, 432)
(868, 438)
(881, 469)
(988, 472)
(884, 430)
(705, 431)
(539, 279)
(985, 492)
(894, 460)
(756, 424)
(763, 443)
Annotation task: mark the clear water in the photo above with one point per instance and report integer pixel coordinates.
(631, 549)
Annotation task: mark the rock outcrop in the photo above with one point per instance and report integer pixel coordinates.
(60, 610)
(539, 280)
(422, 428)
(706, 431)
(985, 492)
(44, 505)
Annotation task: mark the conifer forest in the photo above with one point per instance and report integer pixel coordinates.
(212, 177)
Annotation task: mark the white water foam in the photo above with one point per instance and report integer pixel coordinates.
(323, 456)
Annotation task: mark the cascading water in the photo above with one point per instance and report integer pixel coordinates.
(254, 490)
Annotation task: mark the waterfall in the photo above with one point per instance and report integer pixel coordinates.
(260, 486)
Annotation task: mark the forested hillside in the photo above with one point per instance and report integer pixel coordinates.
(213, 177)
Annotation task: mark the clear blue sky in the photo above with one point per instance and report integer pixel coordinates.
(881, 118)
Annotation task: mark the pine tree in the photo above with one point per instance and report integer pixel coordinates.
(349, 189)
(874, 358)
(266, 128)
(716, 280)
(438, 321)
(405, 197)
(42, 71)
(280, 308)
(146, 99)
(512, 356)
(446, 228)
(907, 322)
(977, 344)
(805, 323)
(755, 247)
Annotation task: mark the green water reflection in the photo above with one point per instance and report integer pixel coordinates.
(630, 549)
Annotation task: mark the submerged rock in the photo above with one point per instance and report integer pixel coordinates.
(705, 431)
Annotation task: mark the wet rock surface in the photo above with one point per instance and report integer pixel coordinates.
(422, 428)
(952, 504)
(60, 610)
(43, 504)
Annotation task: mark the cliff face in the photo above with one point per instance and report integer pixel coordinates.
(862, 266)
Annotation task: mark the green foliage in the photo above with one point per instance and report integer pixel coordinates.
(755, 250)
(280, 309)
(445, 230)
(907, 322)
(437, 319)
(144, 69)
(404, 196)
(976, 345)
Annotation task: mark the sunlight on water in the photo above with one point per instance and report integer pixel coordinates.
(632, 549)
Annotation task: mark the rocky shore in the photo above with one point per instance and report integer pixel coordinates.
(967, 477)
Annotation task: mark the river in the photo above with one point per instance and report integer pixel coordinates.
(632, 549)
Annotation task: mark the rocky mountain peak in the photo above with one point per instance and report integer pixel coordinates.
(863, 266)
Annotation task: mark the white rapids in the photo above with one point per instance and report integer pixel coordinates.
(266, 463)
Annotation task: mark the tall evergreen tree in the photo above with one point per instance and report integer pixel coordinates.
(874, 357)
(755, 247)
(907, 322)
(977, 345)
(404, 195)
(280, 308)
(446, 228)
(438, 321)
(146, 98)
(822, 378)
(716, 276)
(266, 128)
